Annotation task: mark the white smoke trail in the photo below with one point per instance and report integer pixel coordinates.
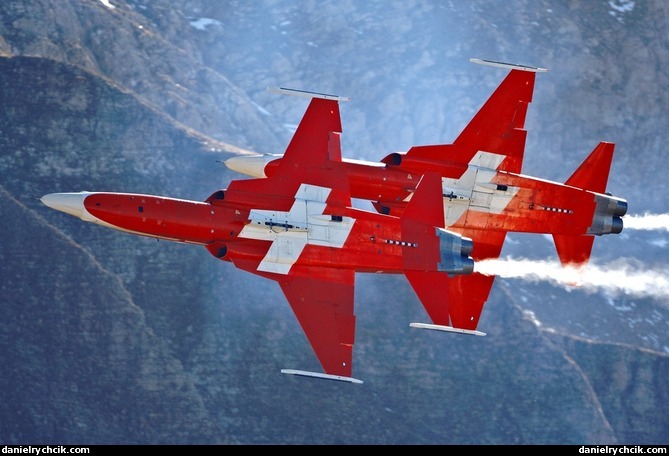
(624, 277)
(647, 222)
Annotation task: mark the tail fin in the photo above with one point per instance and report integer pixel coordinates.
(437, 253)
(573, 250)
(435, 249)
(592, 176)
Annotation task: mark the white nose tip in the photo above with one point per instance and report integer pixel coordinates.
(70, 203)
(251, 165)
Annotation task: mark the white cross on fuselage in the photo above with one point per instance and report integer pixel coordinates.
(474, 190)
(291, 231)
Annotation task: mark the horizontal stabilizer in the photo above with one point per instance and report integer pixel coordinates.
(338, 378)
(573, 250)
(593, 173)
(472, 332)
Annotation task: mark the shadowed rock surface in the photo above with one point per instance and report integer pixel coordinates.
(109, 338)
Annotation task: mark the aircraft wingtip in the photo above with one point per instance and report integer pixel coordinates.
(508, 66)
(339, 378)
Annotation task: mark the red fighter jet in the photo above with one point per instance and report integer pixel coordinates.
(298, 227)
(484, 195)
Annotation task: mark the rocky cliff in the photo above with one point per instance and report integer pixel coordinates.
(110, 338)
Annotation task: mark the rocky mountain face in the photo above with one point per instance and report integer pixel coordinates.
(111, 338)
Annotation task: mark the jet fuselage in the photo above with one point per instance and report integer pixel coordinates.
(476, 196)
(308, 230)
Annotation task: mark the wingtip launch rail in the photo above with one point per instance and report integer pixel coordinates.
(339, 378)
(508, 66)
(446, 329)
(307, 94)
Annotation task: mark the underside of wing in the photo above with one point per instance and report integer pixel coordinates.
(307, 160)
(322, 300)
(497, 128)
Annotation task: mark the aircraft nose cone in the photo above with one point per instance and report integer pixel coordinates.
(70, 203)
(251, 165)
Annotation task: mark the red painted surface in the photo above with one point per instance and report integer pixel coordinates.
(317, 273)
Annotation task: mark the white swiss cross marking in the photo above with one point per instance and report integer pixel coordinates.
(474, 190)
(291, 231)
